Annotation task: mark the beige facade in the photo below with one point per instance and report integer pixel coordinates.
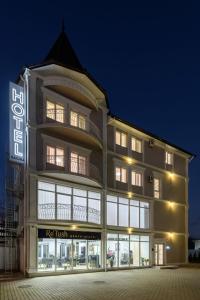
(93, 204)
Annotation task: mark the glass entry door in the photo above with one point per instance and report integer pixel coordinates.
(159, 254)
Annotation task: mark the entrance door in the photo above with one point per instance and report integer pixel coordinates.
(159, 254)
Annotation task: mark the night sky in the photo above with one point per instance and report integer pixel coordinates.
(145, 54)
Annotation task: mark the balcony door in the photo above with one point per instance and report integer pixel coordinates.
(159, 249)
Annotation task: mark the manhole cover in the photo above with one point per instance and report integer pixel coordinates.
(99, 282)
(24, 286)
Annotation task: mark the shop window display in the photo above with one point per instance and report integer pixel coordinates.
(67, 254)
(127, 250)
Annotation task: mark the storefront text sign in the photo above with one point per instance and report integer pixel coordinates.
(63, 234)
(17, 122)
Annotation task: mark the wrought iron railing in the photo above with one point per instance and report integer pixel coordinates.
(79, 213)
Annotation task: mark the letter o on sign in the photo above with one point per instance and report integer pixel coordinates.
(17, 109)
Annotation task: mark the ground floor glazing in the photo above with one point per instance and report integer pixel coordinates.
(114, 251)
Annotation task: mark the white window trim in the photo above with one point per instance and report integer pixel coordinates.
(121, 167)
(159, 176)
(167, 152)
(139, 140)
(141, 177)
(121, 132)
(137, 199)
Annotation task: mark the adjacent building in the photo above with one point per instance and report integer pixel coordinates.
(100, 193)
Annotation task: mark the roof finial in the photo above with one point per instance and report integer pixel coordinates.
(63, 24)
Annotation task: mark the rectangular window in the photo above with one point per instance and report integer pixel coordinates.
(156, 188)
(55, 156)
(55, 111)
(136, 145)
(121, 174)
(78, 163)
(168, 158)
(127, 213)
(46, 201)
(136, 178)
(67, 203)
(77, 120)
(120, 138)
(112, 210)
(127, 250)
(123, 212)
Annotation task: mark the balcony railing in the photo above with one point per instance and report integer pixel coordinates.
(80, 213)
(57, 116)
(81, 166)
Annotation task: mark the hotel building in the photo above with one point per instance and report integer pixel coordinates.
(100, 193)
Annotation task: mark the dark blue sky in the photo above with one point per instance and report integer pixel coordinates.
(146, 55)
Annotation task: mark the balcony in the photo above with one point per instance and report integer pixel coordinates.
(78, 171)
(84, 131)
(47, 211)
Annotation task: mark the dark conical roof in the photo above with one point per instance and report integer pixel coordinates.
(63, 53)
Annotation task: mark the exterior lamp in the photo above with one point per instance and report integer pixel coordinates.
(129, 230)
(74, 227)
(171, 204)
(130, 194)
(171, 175)
(129, 160)
(171, 235)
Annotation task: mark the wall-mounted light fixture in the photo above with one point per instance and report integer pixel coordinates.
(171, 235)
(130, 194)
(171, 205)
(74, 227)
(171, 175)
(129, 160)
(129, 230)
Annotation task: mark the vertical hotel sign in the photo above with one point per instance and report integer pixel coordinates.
(17, 122)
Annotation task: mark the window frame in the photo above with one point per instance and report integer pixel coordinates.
(121, 134)
(71, 192)
(121, 169)
(55, 156)
(55, 113)
(138, 178)
(136, 145)
(139, 204)
(78, 117)
(79, 156)
(169, 158)
(158, 191)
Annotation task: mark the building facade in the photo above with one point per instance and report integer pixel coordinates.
(100, 192)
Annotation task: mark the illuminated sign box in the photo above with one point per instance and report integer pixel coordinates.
(64, 234)
(17, 122)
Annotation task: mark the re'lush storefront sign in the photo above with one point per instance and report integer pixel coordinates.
(64, 234)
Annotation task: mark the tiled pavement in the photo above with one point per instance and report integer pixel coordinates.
(150, 284)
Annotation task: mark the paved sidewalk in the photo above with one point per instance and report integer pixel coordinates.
(149, 284)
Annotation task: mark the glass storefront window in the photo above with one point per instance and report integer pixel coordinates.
(80, 254)
(94, 254)
(46, 254)
(64, 258)
(123, 250)
(112, 250)
(134, 250)
(67, 254)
